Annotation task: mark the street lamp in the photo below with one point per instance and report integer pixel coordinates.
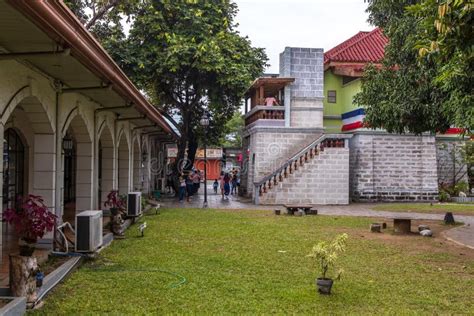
(205, 123)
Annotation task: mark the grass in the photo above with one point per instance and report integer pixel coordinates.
(253, 262)
(441, 208)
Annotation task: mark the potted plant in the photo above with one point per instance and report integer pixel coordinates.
(326, 254)
(32, 219)
(114, 202)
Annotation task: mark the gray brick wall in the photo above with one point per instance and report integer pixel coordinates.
(322, 180)
(387, 167)
(306, 66)
(273, 147)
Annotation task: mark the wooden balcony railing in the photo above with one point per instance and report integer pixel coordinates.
(265, 113)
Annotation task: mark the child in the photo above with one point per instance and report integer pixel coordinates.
(215, 185)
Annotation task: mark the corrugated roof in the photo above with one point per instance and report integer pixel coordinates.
(363, 47)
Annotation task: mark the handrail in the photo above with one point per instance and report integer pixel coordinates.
(330, 140)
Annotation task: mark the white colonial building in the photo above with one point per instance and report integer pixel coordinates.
(74, 126)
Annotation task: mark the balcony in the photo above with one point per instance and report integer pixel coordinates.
(266, 116)
(266, 90)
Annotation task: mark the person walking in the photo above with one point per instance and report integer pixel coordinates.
(215, 185)
(221, 183)
(189, 186)
(226, 186)
(196, 181)
(182, 188)
(234, 184)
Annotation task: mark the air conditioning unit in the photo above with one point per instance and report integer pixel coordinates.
(88, 231)
(134, 204)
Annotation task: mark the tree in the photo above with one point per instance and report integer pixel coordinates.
(190, 59)
(448, 39)
(406, 94)
(233, 131)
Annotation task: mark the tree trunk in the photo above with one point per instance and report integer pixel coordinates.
(23, 277)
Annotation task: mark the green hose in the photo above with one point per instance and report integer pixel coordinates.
(181, 278)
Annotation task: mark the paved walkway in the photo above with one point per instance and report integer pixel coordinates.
(463, 235)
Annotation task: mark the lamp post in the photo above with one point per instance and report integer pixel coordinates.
(205, 123)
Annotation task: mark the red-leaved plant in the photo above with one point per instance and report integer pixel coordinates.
(114, 201)
(32, 219)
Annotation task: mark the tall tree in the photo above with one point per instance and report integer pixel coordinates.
(190, 59)
(405, 95)
(186, 55)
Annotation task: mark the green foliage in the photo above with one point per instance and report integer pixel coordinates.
(443, 196)
(188, 56)
(413, 94)
(251, 262)
(326, 254)
(233, 131)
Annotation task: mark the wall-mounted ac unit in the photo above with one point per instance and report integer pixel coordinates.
(88, 231)
(134, 204)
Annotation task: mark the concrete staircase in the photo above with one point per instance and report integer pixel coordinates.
(318, 174)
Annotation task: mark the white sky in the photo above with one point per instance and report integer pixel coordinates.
(275, 24)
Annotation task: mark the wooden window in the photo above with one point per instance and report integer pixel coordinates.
(331, 96)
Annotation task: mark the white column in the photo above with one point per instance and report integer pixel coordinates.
(108, 171)
(44, 168)
(84, 176)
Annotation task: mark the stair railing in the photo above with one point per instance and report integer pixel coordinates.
(297, 161)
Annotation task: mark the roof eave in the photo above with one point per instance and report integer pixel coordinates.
(59, 22)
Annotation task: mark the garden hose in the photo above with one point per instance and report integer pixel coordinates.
(181, 278)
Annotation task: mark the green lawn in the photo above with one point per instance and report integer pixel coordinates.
(254, 262)
(467, 209)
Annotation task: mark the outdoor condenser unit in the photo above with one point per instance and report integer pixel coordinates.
(88, 231)
(134, 204)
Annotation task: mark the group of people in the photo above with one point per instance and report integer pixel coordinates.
(189, 185)
(228, 182)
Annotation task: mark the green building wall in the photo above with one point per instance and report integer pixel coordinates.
(344, 100)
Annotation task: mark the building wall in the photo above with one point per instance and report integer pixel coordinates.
(42, 116)
(344, 100)
(386, 167)
(306, 92)
(270, 148)
(322, 180)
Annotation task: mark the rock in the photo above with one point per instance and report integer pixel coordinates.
(375, 228)
(423, 227)
(462, 194)
(426, 233)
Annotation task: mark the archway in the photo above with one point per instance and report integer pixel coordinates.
(28, 161)
(137, 166)
(123, 165)
(106, 165)
(77, 167)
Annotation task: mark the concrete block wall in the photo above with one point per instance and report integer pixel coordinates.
(387, 167)
(305, 95)
(270, 148)
(322, 180)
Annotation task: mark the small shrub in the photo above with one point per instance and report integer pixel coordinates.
(325, 254)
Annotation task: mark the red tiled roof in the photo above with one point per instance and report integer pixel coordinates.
(363, 47)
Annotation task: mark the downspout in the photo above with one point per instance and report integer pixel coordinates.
(57, 185)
